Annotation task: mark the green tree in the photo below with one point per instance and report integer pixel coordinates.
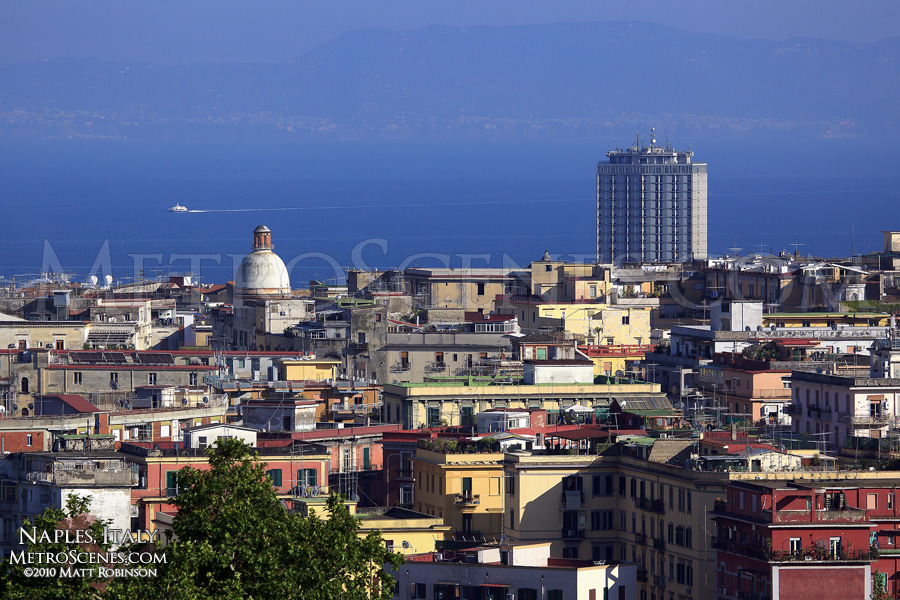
(15, 585)
(234, 539)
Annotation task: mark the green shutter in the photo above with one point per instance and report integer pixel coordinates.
(275, 474)
(171, 483)
(367, 464)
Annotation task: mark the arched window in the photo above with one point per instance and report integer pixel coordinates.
(24, 385)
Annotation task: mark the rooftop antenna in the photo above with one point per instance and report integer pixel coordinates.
(796, 246)
(734, 248)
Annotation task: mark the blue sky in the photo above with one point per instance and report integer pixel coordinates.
(166, 31)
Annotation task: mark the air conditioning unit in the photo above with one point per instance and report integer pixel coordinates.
(510, 597)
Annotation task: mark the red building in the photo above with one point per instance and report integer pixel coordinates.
(297, 469)
(810, 540)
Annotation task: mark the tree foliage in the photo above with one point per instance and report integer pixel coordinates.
(15, 585)
(234, 539)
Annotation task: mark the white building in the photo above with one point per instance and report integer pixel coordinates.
(513, 571)
(651, 205)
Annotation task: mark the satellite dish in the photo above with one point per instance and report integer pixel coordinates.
(108, 279)
(772, 327)
(31, 406)
(619, 373)
(503, 538)
(781, 447)
(175, 446)
(405, 544)
(748, 449)
(747, 328)
(184, 401)
(819, 370)
(156, 446)
(128, 406)
(759, 327)
(15, 407)
(205, 399)
(2, 408)
(354, 497)
(834, 326)
(114, 384)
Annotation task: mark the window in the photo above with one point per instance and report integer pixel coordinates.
(596, 520)
(28, 439)
(307, 477)
(417, 591)
(570, 552)
(871, 501)
(512, 518)
(625, 320)
(151, 378)
(510, 486)
(795, 545)
(621, 485)
(202, 441)
(192, 379)
(77, 378)
(554, 594)
(275, 474)
(480, 289)
(527, 594)
(60, 344)
(171, 483)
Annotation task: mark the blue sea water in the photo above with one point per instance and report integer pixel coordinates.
(389, 204)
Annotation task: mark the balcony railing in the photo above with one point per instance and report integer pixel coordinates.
(878, 420)
(640, 538)
(468, 499)
(660, 581)
(399, 367)
(659, 544)
(405, 473)
(573, 533)
(642, 575)
(813, 553)
(435, 367)
(576, 494)
(652, 505)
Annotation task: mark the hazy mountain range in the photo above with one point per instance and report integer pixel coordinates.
(552, 81)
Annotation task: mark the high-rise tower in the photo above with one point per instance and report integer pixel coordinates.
(651, 205)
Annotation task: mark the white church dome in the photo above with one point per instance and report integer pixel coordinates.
(262, 273)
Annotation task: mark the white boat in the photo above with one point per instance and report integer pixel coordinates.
(178, 208)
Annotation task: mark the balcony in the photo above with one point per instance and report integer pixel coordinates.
(847, 515)
(573, 495)
(642, 575)
(659, 544)
(436, 367)
(573, 534)
(405, 473)
(660, 581)
(640, 538)
(657, 506)
(467, 500)
(741, 549)
(869, 420)
(793, 409)
(816, 553)
(399, 367)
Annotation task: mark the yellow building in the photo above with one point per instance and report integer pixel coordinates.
(618, 508)
(313, 369)
(826, 320)
(609, 360)
(404, 531)
(456, 403)
(588, 322)
(462, 488)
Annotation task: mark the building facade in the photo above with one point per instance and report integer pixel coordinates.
(651, 205)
